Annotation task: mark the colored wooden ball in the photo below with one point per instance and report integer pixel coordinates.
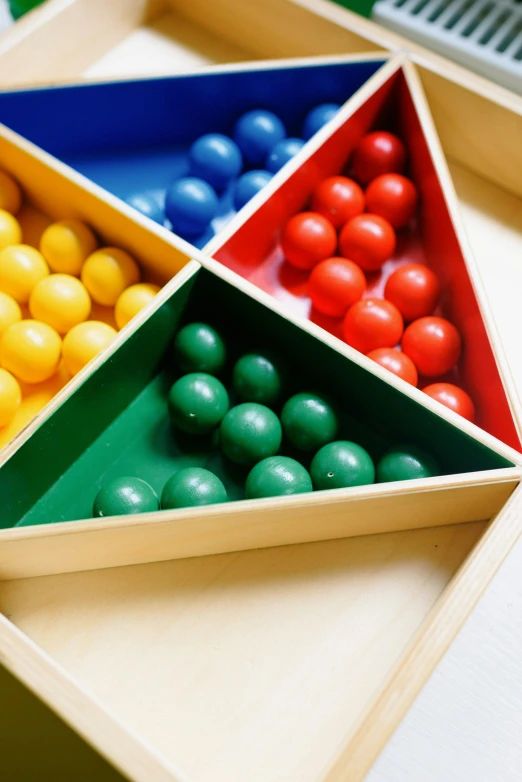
(341, 464)
(124, 496)
(334, 285)
(309, 421)
(258, 377)
(405, 463)
(307, 239)
(248, 185)
(192, 486)
(256, 133)
(30, 350)
(282, 152)
(148, 206)
(66, 245)
(396, 362)
(10, 194)
(21, 269)
(199, 348)
(10, 230)
(61, 301)
(453, 397)
(250, 432)
(84, 341)
(277, 476)
(10, 312)
(107, 272)
(372, 323)
(216, 159)
(368, 240)
(10, 397)
(414, 289)
(317, 117)
(190, 205)
(393, 197)
(197, 403)
(433, 344)
(133, 300)
(339, 199)
(378, 153)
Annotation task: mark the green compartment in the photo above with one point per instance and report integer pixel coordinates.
(116, 422)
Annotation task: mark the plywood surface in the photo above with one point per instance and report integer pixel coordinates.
(467, 722)
(249, 666)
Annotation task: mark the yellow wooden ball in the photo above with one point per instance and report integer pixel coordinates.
(61, 301)
(132, 300)
(10, 194)
(30, 350)
(10, 397)
(107, 272)
(21, 269)
(84, 342)
(10, 312)
(10, 230)
(66, 245)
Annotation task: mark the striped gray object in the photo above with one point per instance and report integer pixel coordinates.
(483, 35)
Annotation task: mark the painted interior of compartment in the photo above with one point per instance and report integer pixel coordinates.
(253, 665)
(130, 433)
(253, 249)
(132, 137)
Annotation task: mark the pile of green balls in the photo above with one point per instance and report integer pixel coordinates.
(251, 434)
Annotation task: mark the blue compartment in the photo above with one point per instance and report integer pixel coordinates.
(131, 137)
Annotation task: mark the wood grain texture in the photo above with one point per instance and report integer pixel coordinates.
(382, 718)
(467, 721)
(249, 665)
(53, 687)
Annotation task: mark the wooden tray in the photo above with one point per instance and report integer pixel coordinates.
(211, 668)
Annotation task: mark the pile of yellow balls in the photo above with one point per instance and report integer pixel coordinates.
(46, 296)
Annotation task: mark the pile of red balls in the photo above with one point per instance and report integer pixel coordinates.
(350, 232)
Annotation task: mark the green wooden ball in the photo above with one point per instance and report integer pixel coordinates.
(341, 464)
(257, 377)
(123, 496)
(405, 463)
(199, 348)
(309, 421)
(197, 403)
(192, 486)
(250, 432)
(277, 476)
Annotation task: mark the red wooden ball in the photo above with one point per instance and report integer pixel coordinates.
(414, 289)
(334, 285)
(393, 197)
(378, 153)
(339, 199)
(396, 362)
(308, 238)
(433, 344)
(453, 397)
(372, 323)
(369, 240)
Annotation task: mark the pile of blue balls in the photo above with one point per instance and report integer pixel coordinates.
(259, 148)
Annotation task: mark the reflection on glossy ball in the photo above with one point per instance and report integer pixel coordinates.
(30, 350)
(84, 342)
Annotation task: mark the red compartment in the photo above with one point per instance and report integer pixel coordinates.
(253, 250)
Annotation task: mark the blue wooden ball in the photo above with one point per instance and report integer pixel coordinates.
(216, 159)
(282, 152)
(256, 132)
(248, 185)
(317, 117)
(148, 206)
(190, 205)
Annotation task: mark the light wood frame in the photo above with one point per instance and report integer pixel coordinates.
(488, 193)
